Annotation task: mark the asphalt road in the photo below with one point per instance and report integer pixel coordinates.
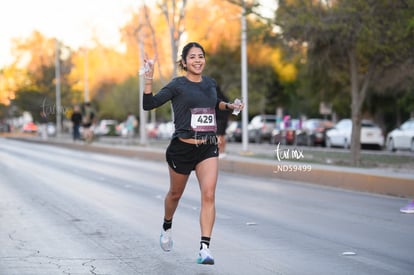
(73, 212)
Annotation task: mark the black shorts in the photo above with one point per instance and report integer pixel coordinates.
(183, 157)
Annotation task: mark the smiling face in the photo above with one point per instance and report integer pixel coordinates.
(195, 62)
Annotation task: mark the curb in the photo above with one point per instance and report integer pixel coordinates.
(338, 178)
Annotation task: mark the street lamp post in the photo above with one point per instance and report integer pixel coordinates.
(142, 114)
(58, 101)
(85, 77)
(245, 139)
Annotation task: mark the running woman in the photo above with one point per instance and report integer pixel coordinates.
(193, 145)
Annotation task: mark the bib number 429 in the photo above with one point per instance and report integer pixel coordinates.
(203, 120)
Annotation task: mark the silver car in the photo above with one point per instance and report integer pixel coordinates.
(402, 137)
(261, 127)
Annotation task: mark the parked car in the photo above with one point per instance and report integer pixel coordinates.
(152, 130)
(107, 127)
(234, 131)
(260, 128)
(340, 134)
(51, 129)
(313, 132)
(165, 130)
(293, 127)
(30, 127)
(286, 131)
(402, 137)
(5, 127)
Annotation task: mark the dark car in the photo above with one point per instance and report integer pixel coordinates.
(313, 132)
(5, 127)
(286, 132)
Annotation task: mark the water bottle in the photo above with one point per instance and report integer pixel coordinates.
(236, 111)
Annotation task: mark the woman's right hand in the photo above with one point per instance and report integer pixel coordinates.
(148, 67)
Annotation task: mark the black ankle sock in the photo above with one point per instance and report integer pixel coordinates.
(205, 240)
(167, 224)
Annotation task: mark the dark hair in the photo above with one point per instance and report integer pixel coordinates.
(185, 51)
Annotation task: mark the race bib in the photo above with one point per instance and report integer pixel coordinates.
(203, 119)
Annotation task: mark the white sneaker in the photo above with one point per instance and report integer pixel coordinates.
(166, 241)
(408, 209)
(204, 256)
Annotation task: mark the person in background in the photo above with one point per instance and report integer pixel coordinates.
(131, 124)
(222, 117)
(193, 145)
(408, 209)
(43, 125)
(76, 119)
(88, 117)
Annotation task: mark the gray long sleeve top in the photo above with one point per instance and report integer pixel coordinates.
(191, 101)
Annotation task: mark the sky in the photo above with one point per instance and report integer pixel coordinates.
(72, 22)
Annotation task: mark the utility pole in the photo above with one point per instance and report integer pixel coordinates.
(142, 113)
(57, 76)
(245, 97)
(85, 77)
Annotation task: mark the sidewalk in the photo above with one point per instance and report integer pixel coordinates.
(380, 181)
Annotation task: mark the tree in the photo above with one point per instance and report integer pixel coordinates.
(36, 89)
(365, 39)
(108, 69)
(121, 100)
(104, 66)
(11, 78)
(174, 13)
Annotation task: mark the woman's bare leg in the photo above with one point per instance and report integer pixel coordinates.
(177, 186)
(207, 173)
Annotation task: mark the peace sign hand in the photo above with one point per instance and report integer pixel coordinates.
(148, 67)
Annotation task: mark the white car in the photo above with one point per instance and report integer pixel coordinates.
(340, 134)
(106, 127)
(165, 130)
(402, 137)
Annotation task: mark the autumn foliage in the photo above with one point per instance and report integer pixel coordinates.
(100, 69)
